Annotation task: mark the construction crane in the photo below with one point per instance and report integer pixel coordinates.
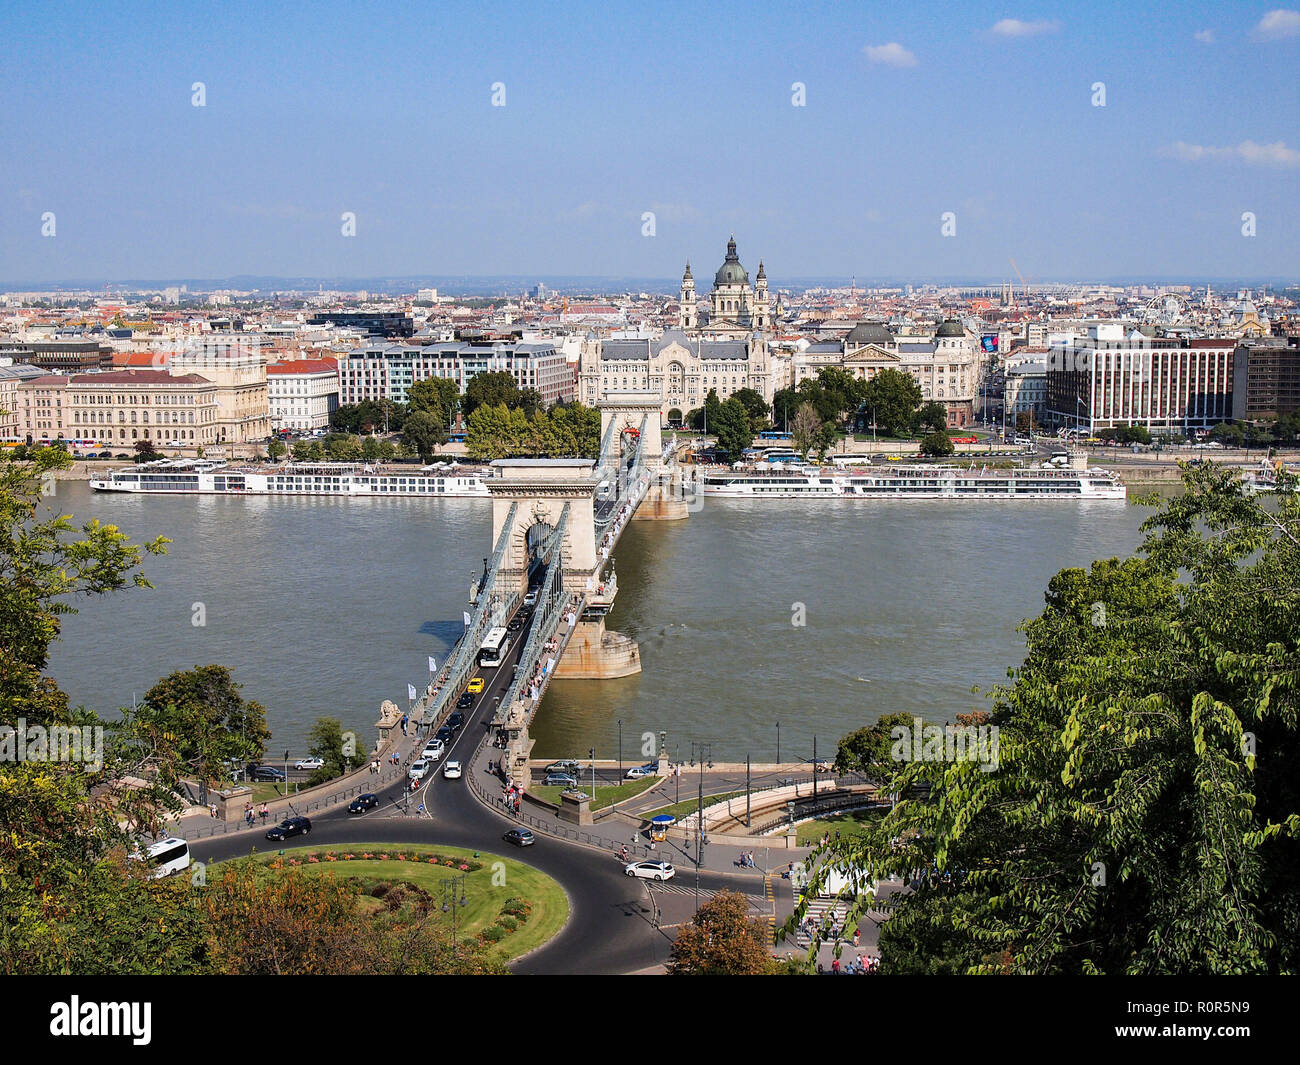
(1024, 285)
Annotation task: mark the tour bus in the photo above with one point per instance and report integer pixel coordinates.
(166, 856)
(494, 647)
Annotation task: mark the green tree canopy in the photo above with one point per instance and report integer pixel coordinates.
(491, 389)
(425, 433)
(891, 397)
(1141, 810)
(732, 428)
(937, 445)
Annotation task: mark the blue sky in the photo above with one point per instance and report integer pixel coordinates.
(614, 109)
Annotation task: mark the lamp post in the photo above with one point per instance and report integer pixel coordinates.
(591, 754)
(620, 748)
(453, 898)
(778, 743)
(699, 820)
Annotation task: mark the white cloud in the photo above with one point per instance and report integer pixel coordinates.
(1204, 36)
(892, 54)
(1277, 24)
(1014, 27)
(1275, 154)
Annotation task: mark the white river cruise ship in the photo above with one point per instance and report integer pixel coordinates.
(920, 481)
(353, 480)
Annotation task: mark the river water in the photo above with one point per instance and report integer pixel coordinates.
(817, 616)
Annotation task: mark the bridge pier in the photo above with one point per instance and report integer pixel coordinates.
(665, 499)
(597, 653)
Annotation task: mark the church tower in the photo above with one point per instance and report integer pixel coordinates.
(762, 304)
(687, 316)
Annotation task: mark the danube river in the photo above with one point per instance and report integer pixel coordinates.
(328, 607)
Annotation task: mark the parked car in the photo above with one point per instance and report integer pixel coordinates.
(433, 750)
(419, 769)
(451, 771)
(565, 765)
(651, 870)
(362, 803)
(456, 721)
(559, 780)
(520, 837)
(290, 827)
(309, 763)
(267, 773)
(465, 701)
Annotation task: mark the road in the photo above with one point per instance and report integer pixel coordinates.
(611, 922)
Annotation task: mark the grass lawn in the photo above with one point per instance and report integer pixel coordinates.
(606, 794)
(848, 823)
(689, 806)
(484, 899)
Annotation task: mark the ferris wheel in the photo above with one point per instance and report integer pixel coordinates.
(1168, 307)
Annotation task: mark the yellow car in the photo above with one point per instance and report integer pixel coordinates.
(475, 686)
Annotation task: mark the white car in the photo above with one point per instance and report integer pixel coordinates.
(419, 769)
(433, 750)
(651, 870)
(451, 771)
(309, 763)
(639, 772)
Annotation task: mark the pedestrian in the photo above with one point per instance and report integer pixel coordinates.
(212, 807)
(266, 812)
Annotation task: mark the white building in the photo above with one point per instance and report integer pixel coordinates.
(302, 393)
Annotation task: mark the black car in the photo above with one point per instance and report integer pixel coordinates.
(456, 721)
(290, 827)
(515, 624)
(362, 803)
(267, 773)
(444, 734)
(465, 701)
(520, 837)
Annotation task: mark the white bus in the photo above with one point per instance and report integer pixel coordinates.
(494, 647)
(166, 856)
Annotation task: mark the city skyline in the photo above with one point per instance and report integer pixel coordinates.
(833, 143)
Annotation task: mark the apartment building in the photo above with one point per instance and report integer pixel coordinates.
(119, 407)
(302, 393)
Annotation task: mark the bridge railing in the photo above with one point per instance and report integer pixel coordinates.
(550, 603)
(489, 608)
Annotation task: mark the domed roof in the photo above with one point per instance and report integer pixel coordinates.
(950, 328)
(731, 272)
(869, 333)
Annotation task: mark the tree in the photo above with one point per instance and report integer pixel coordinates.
(371, 449)
(892, 396)
(438, 396)
(805, 429)
(827, 434)
(424, 433)
(937, 445)
(490, 390)
(276, 450)
(340, 753)
(1228, 434)
(145, 451)
(723, 940)
(203, 721)
(1125, 824)
(755, 406)
(731, 427)
(932, 416)
(866, 751)
(784, 404)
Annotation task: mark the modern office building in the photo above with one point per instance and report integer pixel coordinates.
(1265, 378)
(1108, 379)
(386, 371)
(60, 356)
(375, 323)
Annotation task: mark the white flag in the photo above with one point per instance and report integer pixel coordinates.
(433, 664)
(410, 691)
(466, 619)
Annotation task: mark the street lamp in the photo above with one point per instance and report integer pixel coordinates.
(591, 753)
(620, 748)
(778, 743)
